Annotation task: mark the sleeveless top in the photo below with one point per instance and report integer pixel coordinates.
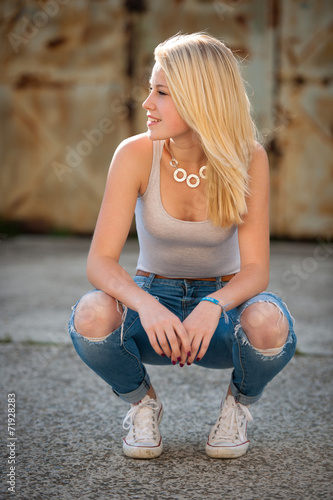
(176, 248)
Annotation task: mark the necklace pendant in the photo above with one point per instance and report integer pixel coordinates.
(189, 178)
(181, 171)
(202, 172)
(196, 180)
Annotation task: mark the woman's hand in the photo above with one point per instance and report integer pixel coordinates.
(167, 335)
(200, 326)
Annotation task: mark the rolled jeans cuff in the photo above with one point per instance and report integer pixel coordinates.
(136, 395)
(241, 398)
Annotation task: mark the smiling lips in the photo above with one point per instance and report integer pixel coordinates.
(152, 120)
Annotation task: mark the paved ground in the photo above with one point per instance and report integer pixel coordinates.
(68, 423)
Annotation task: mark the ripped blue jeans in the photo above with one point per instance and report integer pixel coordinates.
(120, 359)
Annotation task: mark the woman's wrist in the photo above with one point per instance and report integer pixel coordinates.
(213, 301)
(223, 307)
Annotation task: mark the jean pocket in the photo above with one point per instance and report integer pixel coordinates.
(141, 281)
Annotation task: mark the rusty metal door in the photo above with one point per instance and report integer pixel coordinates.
(72, 85)
(302, 146)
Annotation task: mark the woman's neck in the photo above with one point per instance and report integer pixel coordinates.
(186, 152)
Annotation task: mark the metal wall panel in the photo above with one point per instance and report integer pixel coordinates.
(302, 159)
(74, 74)
(63, 76)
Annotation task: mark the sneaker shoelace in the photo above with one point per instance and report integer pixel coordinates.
(231, 425)
(142, 419)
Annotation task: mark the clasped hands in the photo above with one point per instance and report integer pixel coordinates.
(182, 342)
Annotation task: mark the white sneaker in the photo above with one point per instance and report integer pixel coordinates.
(144, 438)
(228, 436)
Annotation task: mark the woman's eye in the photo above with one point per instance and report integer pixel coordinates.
(159, 91)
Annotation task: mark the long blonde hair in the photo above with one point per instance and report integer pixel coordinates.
(205, 83)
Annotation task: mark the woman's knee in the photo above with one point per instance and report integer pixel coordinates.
(265, 325)
(97, 315)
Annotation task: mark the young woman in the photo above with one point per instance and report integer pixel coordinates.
(199, 185)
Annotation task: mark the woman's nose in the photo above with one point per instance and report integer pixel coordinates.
(148, 103)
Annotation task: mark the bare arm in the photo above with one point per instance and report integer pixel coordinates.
(253, 277)
(113, 224)
(126, 176)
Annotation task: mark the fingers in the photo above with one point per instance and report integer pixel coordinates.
(197, 351)
(184, 357)
(175, 344)
(171, 341)
(177, 340)
(200, 344)
(167, 334)
(161, 347)
(184, 344)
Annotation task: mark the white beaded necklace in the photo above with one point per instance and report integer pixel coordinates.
(174, 163)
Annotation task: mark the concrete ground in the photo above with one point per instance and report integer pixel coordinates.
(68, 423)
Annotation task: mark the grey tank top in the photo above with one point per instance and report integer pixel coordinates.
(176, 248)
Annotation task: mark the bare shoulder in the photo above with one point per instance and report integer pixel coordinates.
(134, 150)
(132, 160)
(259, 157)
(124, 182)
(259, 167)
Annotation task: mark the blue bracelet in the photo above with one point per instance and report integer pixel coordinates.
(215, 301)
(211, 299)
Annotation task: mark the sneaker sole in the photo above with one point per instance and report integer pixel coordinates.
(227, 451)
(144, 452)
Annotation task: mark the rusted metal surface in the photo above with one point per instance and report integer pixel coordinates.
(63, 75)
(74, 75)
(302, 156)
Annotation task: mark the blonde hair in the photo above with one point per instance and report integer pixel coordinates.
(205, 83)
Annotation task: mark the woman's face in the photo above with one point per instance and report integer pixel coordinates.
(164, 120)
